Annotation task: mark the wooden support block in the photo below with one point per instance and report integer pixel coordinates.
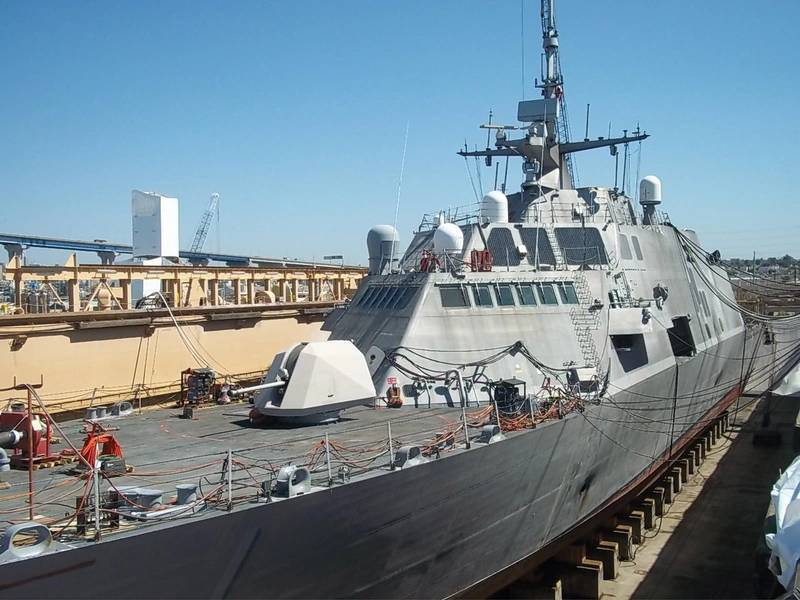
(698, 454)
(707, 442)
(683, 467)
(677, 481)
(702, 447)
(691, 462)
(635, 521)
(648, 509)
(583, 581)
(621, 535)
(669, 490)
(608, 554)
(657, 494)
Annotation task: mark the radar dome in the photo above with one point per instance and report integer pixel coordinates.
(650, 190)
(448, 238)
(383, 244)
(494, 208)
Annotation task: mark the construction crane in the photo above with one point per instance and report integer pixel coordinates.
(205, 224)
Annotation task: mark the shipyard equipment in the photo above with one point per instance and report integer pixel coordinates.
(205, 224)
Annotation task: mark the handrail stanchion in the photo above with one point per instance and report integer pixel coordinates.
(328, 459)
(230, 479)
(391, 446)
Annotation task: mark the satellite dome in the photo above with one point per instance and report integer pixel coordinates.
(650, 190)
(494, 207)
(383, 244)
(448, 238)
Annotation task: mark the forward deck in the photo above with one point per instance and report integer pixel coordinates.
(165, 450)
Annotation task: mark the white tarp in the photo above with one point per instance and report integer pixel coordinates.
(790, 384)
(784, 544)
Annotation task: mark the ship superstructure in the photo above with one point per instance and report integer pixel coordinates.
(528, 368)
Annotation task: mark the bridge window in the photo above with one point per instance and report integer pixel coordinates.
(504, 295)
(482, 294)
(525, 294)
(379, 297)
(402, 300)
(567, 293)
(366, 297)
(390, 297)
(453, 296)
(547, 295)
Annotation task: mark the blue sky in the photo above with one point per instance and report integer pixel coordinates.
(295, 112)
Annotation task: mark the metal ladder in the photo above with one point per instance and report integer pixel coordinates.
(584, 320)
(550, 230)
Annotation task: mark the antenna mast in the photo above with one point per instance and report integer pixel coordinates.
(551, 78)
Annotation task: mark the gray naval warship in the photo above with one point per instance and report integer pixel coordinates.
(519, 373)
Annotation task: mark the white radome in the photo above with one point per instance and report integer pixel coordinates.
(448, 238)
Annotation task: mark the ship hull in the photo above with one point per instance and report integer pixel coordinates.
(468, 521)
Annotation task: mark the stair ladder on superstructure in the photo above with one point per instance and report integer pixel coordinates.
(585, 320)
(550, 230)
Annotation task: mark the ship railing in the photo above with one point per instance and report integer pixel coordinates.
(460, 215)
(574, 212)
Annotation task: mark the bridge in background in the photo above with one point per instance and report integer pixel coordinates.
(16, 244)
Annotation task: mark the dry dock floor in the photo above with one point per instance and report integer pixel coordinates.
(705, 545)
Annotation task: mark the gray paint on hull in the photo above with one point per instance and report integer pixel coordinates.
(429, 531)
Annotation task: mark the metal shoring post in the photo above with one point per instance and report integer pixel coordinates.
(391, 446)
(464, 422)
(230, 479)
(328, 460)
(96, 476)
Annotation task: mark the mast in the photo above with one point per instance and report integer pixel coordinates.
(545, 148)
(551, 78)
